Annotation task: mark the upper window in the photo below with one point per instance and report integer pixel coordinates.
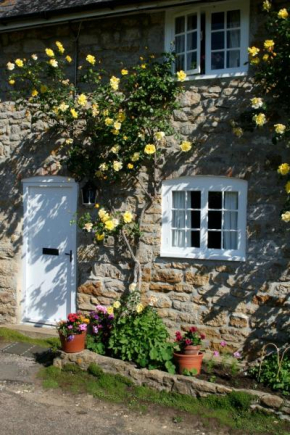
(204, 217)
(210, 40)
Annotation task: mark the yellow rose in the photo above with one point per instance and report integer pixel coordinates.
(283, 14)
(100, 237)
(143, 66)
(95, 110)
(74, 113)
(260, 119)
(269, 44)
(124, 72)
(10, 66)
(11, 82)
(117, 125)
(283, 169)
(105, 112)
(109, 121)
(53, 63)
(110, 310)
(280, 128)
(149, 149)
(181, 76)
(49, 52)
(253, 51)
(266, 5)
(103, 215)
(103, 167)
(117, 166)
(63, 107)
(60, 47)
(286, 216)
(116, 304)
(115, 149)
(34, 56)
(43, 89)
(287, 187)
(159, 135)
(34, 93)
(139, 308)
(256, 103)
(127, 217)
(135, 157)
(19, 63)
(109, 225)
(266, 57)
(238, 131)
(130, 166)
(91, 59)
(255, 61)
(114, 82)
(185, 146)
(88, 227)
(68, 59)
(82, 100)
(121, 116)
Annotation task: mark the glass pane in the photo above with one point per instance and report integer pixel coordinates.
(233, 59)
(191, 60)
(195, 219)
(230, 240)
(178, 238)
(231, 200)
(179, 62)
(195, 199)
(233, 19)
(191, 41)
(178, 219)
(180, 44)
(179, 25)
(230, 220)
(178, 199)
(214, 220)
(218, 40)
(218, 60)
(195, 239)
(215, 200)
(233, 38)
(214, 240)
(192, 22)
(218, 21)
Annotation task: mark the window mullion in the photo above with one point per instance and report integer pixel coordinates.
(203, 221)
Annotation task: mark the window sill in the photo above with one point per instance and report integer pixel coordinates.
(215, 76)
(202, 256)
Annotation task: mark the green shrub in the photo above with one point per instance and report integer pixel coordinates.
(270, 374)
(142, 338)
(72, 368)
(95, 370)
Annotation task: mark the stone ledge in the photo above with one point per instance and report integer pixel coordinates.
(164, 381)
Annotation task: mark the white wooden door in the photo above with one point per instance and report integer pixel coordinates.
(49, 249)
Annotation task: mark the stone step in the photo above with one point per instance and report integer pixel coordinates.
(33, 331)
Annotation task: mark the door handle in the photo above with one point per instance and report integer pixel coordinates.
(70, 255)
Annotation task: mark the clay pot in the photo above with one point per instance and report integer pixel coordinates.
(191, 350)
(188, 362)
(73, 343)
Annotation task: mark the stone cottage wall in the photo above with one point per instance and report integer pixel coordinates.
(244, 303)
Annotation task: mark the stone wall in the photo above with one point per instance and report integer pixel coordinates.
(244, 303)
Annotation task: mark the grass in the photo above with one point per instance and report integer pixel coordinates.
(232, 410)
(9, 335)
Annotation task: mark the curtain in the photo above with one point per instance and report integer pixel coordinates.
(178, 219)
(230, 220)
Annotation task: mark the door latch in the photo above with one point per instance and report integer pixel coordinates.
(70, 255)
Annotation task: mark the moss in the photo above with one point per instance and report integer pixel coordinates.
(10, 335)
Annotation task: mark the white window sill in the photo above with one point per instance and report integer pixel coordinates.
(215, 76)
(202, 256)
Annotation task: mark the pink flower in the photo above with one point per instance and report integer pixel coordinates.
(237, 355)
(188, 342)
(216, 353)
(193, 329)
(223, 343)
(202, 336)
(178, 336)
(82, 327)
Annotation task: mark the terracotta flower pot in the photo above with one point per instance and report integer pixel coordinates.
(73, 343)
(191, 350)
(188, 362)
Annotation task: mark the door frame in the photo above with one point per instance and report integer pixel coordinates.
(43, 182)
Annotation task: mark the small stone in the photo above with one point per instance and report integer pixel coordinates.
(272, 401)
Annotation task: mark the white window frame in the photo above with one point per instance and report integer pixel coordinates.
(208, 9)
(204, 184)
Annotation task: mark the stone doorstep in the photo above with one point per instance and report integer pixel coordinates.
(164, 381)
(33, 331)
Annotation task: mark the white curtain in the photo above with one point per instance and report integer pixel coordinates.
(230, 220)
(178, 219)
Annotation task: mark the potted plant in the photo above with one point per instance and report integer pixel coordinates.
(72, 332)
(188, 356)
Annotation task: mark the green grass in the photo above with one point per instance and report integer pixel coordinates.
(232, 410)
(9, 335)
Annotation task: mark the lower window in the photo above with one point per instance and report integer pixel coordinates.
(204, 217)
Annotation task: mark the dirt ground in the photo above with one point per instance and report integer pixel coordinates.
(27, 409)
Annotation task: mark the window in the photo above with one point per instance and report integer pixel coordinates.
(210, 40)
(204, 217)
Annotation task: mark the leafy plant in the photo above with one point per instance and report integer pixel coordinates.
(192, 337)
(191, 372)
(273, 374)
